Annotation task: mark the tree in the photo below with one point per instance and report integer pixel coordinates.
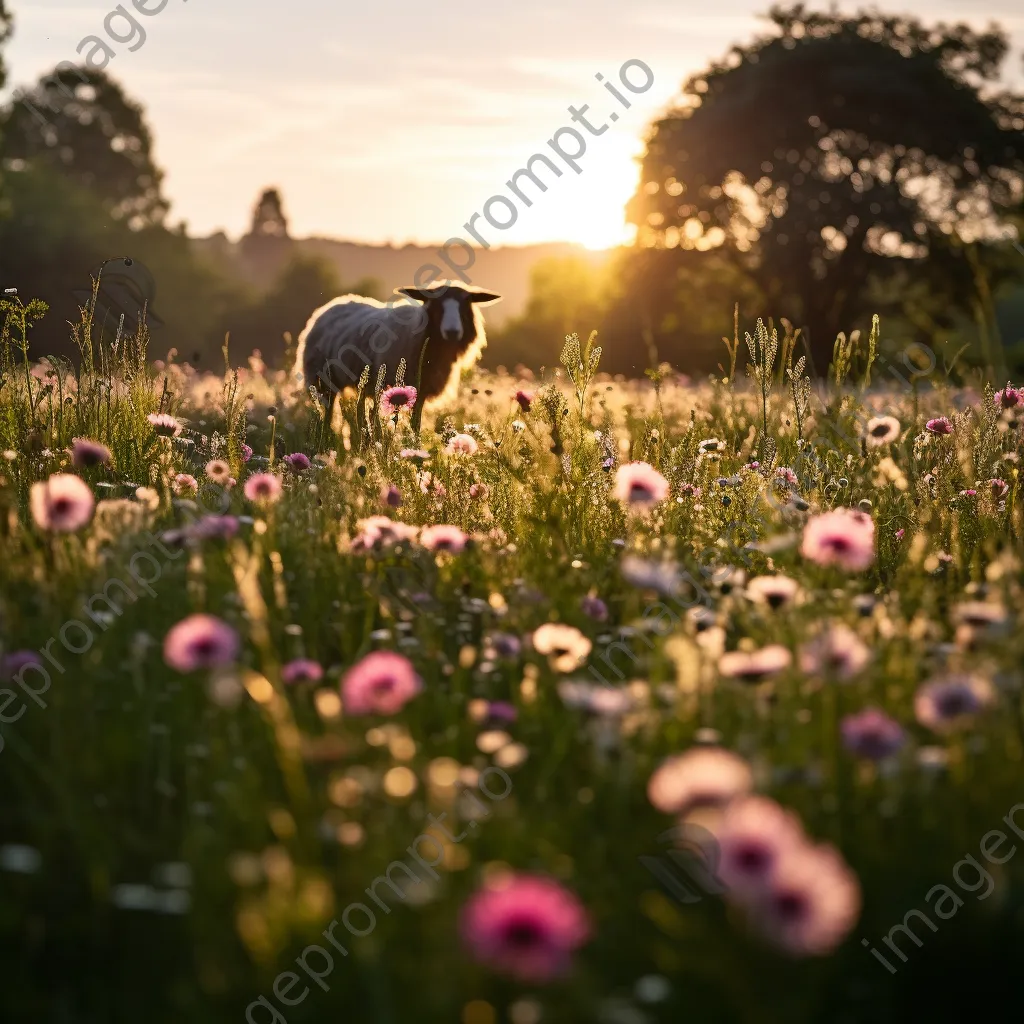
(838, 153)
(78, 122)
(266, 249)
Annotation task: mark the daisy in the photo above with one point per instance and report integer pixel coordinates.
(382, 683)
(61, 504)
(200, 641)
(565, 646)
(842, 537)
(443, 537)
(756, 666)
(639, 483)
(524, 925)
(394, 400)
(837, 651)
(774, 591)
(700, 777)
(881, 430)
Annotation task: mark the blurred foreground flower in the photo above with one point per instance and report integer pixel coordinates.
(200, 641)
(382, 683)
(843, 537)
(86, 453)
(640, 484)
(525, 926)
(701, 777)
(62, 504)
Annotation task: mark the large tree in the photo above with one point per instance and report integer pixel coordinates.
(78, 122)
(838, 154)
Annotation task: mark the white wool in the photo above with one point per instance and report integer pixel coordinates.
(353, 331)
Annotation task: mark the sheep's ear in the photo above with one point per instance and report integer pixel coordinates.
(480, 297)
(416, 293)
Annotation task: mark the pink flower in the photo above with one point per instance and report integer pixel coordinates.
(774, 591)
(184, 485)
(462, 444)
(443, 537)
(414, 453)
(246, 453)
(702, 776)
(1009, 397)
(882, 430)
(394, 400)
(525, 399)
(61, 504)
(296, 462)
(525, 926)
(478, 492)
(756, 666)
(785, 475)
(302, 670)
(753, 835)
(263, 487)
(639, 483)
(998, 488)
(391, 496)
(164, 425)
(946, 705)
(200, 641)
(811, 903)
(900, 533)
(380, 532)
(217, 471)
(13, 663)
(85, 453)
(872, 734)
(382, 683)
(939, 425)
(843, 537)
(837, 651)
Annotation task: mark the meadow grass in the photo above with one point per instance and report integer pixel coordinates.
(248, 813)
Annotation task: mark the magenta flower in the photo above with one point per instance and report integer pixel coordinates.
(872, 734)
(185, 485)
(200, 641)
(843, 537)
(394, 400)
(946, 705)
(246, 453)
(382, 684)
(700, 777)
(443, 537)
(939, 425)
(525, 399)
(164, 425)
(86, 453)
(525, 926)
(594, 608)
(11, 664)
(296, 462)
(1009, 397)
(753, 835)
(61, 504)
(302, 670)
(998, 488)
(639, 483)
(811, 903)
(391, 496)
(263, 488)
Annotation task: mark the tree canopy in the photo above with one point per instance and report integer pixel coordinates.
(838, 154)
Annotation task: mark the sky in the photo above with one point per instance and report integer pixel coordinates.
(394, 120)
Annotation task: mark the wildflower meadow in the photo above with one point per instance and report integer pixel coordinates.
(305, 721)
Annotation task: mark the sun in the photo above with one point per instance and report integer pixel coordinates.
(589, 208)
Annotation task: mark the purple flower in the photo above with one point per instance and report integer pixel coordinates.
(200, 641)
(11, 664)
(1009, 397)
(939, 425)
(594, 608)
(296, 462)
(872, 734)
(302, 670)
(952, 703)
(86, 453)
(392, 496)
(246, 453)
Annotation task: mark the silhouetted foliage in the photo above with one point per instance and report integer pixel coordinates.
(838, 154)
(79, 123)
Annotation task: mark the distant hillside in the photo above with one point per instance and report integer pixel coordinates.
(505, 270)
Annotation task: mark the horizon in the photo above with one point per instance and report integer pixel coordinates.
(354, 162)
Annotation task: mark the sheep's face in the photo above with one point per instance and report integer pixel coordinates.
(450, 311)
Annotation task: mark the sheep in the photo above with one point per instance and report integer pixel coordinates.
(448, 323)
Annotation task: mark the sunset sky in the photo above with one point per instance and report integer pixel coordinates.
(395, 121)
